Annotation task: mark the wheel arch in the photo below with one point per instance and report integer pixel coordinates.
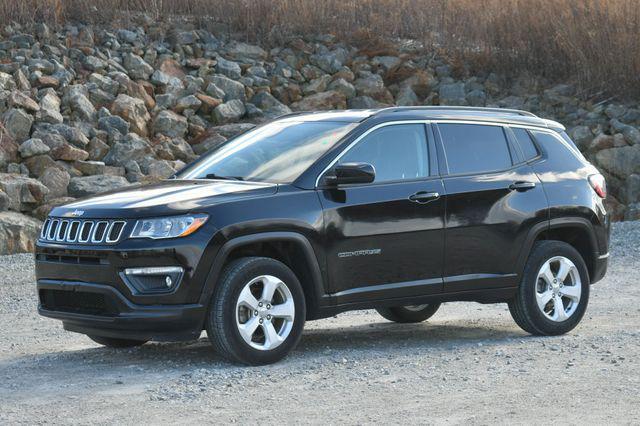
(291, 248)
(575, 231)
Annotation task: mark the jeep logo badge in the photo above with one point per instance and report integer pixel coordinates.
(77, 213)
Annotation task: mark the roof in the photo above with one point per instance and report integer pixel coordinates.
(501, 115)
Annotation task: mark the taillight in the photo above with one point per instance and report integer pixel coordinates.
(599, 185)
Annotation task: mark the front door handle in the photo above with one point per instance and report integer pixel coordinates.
(522, 186)
(424, 197)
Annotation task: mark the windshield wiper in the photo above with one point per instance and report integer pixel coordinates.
(215, 176)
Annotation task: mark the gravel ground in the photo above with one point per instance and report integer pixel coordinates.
(469, 364)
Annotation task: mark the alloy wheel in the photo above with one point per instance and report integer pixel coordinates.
(558, 288)
(265, 312)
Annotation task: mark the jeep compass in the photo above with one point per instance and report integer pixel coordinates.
(398, 210)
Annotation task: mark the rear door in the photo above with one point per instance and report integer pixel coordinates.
(493, 198)
(385, 239)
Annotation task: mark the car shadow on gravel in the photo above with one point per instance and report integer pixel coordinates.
(390, 336)
(357, 339)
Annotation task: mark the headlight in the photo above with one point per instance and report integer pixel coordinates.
(168, 227)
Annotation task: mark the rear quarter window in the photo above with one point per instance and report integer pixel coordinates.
(528, 147)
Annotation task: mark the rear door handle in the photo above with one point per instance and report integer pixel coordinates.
(424, 197)
(522, 186)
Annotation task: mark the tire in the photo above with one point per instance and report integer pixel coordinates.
(112, 342)
(536, 286)
(242, 284)
(409, 314)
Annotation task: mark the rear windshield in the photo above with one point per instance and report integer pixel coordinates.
(277, 152)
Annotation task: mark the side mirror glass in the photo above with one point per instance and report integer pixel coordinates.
(351, 173)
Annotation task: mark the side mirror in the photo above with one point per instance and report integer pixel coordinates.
(351, 173)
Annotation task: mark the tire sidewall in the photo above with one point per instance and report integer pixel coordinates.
(543, 253)
(242, 350)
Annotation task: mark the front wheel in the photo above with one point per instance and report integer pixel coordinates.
(554, 292)
(257, 312)
(409, 313)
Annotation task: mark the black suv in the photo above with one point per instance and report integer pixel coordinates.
(313, 214)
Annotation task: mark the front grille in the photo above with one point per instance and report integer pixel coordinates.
(82, 231)
(78, 302)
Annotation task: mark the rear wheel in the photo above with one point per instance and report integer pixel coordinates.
(112, 342)
(257, 313)
(409, 313)
(554, 292)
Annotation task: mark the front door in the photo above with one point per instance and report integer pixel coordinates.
(385, 239)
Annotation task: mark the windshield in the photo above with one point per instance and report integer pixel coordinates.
(278, 152)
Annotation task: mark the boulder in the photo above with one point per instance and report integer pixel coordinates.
(269, 105)
(32, 147)
(170, 124)
(191, 102)
(386, 62)
(132, 110)
(56, 181)
(229, 111)
(132, 147)
(73, 135)
(136, 67)
(231, 88)
(89, 168)
(229, 68)
(343, 86)
(18, 123)
(4, 201)
(8, 150)
(209, 141)
(620, 162)
(174, 149)
(77, 98)
(317, 85)
(452, 94)
(39, 163)
(631, 134)
(322, 101)
(43, 211)
(93, 185)
(18, 233)
(373, 86)
(49, 111)
(68, 152)
(407, 97)
(582, 136)
(20, 100)
(97, 149)
(244, 51)
(113, 124)
(24, 193)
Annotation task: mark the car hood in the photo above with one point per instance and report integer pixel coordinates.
(161, 199)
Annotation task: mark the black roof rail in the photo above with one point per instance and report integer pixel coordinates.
(459, 108)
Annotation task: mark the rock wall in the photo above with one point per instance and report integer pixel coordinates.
(86, 109)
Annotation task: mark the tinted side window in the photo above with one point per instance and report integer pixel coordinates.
(529, 149)
(397, 152)
(474, 148)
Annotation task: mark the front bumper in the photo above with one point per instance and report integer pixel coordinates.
(84, 287)
(101, 310)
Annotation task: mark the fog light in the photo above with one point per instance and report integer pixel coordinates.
(153, 279)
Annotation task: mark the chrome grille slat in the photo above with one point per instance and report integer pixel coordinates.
(97, 231)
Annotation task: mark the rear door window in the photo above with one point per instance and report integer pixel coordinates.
(475, 148)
